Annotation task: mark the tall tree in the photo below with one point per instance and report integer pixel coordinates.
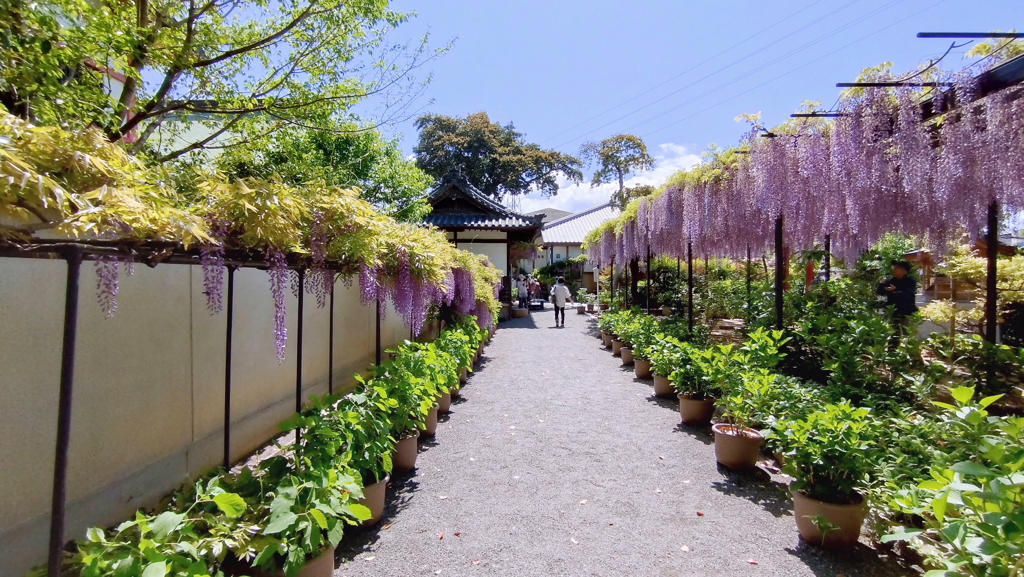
(495, 158)
(616, 157)
(129, 66)
(341, 155)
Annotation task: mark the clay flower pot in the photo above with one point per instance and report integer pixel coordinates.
(444, 404)
(737, 447)
(463, 375)
(373, 499)
(696, 412)
(430, 423)
(580, 309)
(456, 392)
(405, 452)
(617, 346)
(663, 386)
(604, 306)
(607, 340)
(520, 313)
(320, 566)
(627, 355)
(642, 368)
(590, 307)
(847, 517)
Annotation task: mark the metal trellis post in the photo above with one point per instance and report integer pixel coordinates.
(73, 255)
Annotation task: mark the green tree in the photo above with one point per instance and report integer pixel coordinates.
(616, 157)
(495, 158)
(340, 155)
(215, 63)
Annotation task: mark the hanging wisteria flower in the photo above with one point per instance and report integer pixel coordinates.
(107, 284)
(278, 272)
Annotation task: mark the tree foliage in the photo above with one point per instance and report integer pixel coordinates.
(344, 157)
(616, 157)
(495, 158)
(211, 63)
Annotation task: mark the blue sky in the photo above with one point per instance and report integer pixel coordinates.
(675, 73)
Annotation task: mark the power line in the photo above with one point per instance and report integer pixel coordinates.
(844, 47)
(733, 63)
(694, 67)
(766, 65)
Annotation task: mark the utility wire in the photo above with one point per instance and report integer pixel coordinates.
(739, 60)
(841, 48)
(765, 65)
(690, 69)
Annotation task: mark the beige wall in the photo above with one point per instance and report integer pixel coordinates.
(149, 388)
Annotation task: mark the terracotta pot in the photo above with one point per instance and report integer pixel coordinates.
(848, 519)
(430, 423)
(617, 347)
(456, 392)
(373, 499)
(520, 313)
(666, 311)
(627, 355)
(604, 306)
(590, 307)
(607, 340)
(405, 452)
(696, 412)
(463, 375)
(642, 368)
(580, 309)
(737, 447)
(319, 566)
(445, 404)
(663, 387)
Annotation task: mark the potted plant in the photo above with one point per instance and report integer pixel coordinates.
(666, 355)
(368, 448)
(737, 446)
(696, 392)
(828, 452)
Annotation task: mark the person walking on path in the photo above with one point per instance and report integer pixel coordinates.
(523, 291)
(560, 295)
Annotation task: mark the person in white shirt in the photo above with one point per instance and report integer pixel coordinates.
(523, 291)
(560, 295)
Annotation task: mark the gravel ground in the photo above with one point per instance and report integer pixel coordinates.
(556, 461)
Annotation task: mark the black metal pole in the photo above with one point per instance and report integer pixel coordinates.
(689, 285)
(330, 342)
(780, 274)
(227, 367)
(612, 282)
(298, 360)
(378, 357)
(827, 261)
(648, 295)
(748, 282)
(67, 377)
(991, 297)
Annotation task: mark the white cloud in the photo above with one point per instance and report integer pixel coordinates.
(576, 197)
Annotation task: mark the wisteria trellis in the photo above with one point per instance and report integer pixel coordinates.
(877, 168)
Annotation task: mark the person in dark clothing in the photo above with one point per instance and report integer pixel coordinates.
(900, 291)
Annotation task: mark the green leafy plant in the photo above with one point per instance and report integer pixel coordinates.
(973, 509)
(828, 452)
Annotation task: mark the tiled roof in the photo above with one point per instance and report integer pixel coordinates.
(489, 214)
(574, 228)
(476, 221)
(550, 214)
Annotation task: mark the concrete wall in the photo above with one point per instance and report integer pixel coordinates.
(149, 388)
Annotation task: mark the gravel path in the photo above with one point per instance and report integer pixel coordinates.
(558, 462)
